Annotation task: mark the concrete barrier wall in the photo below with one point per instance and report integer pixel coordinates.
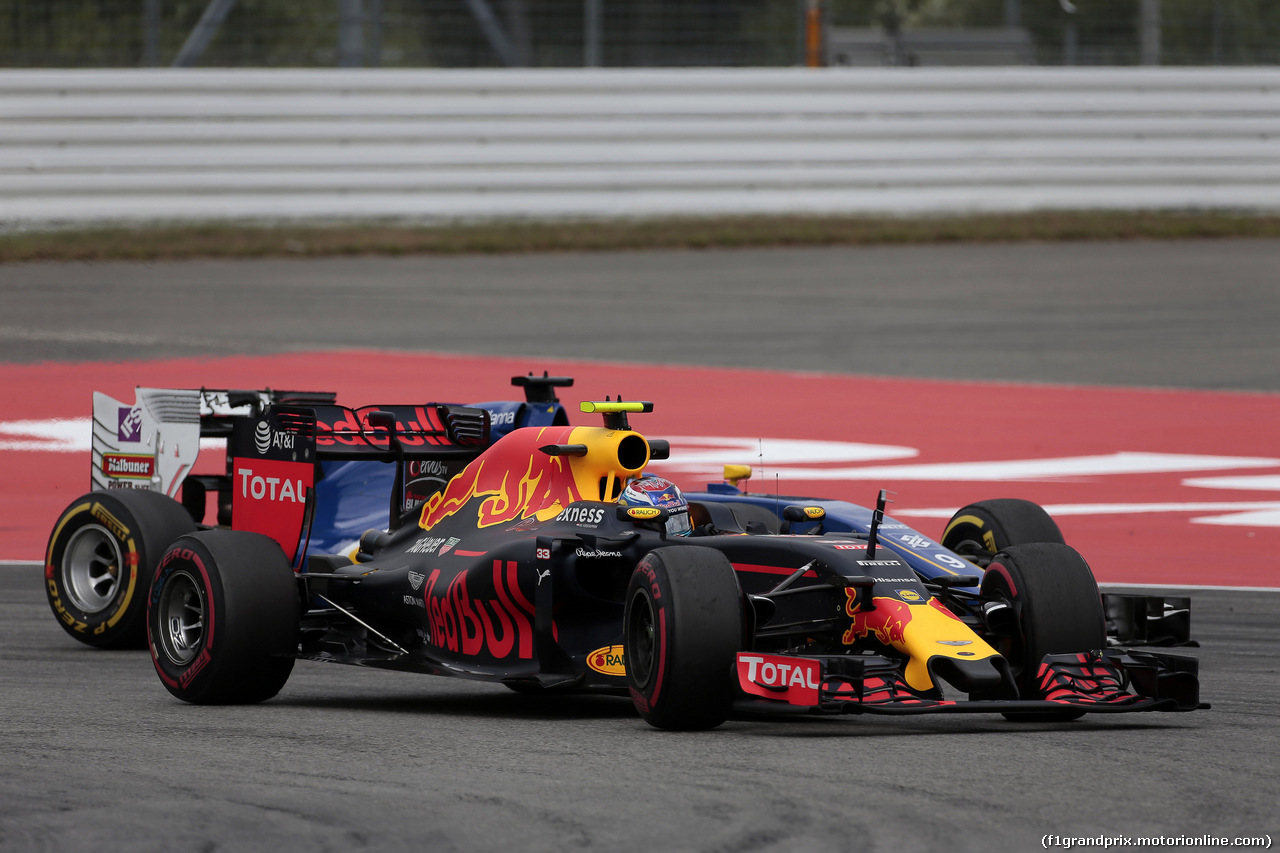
(433, 145)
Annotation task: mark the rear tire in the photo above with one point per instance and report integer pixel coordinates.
(682, 630)
(223, 617)
(1057, 607)
(100, 560)
(986, 527)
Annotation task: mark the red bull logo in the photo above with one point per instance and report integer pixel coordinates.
(514, 478)
(887, 620)
(461, 622)
(340, 425)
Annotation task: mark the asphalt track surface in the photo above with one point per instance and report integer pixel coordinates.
(96, 755)
(1182, 315)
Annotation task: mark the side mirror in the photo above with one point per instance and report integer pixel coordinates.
(800, 514)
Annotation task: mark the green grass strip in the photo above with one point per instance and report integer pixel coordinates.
(163, 242)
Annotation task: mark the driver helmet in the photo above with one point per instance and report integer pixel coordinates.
(663, 494)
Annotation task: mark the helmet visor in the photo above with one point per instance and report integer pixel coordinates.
(678, 524)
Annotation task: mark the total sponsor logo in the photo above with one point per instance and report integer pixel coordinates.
(279, 489)
(127, 465)
(792, 680)
(608, 661)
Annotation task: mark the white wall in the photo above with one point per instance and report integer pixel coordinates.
(432, 145)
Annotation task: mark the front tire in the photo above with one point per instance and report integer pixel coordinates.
(223, 618)
(682, 630)
(983, 528)
(1057, 610)
(100, 560)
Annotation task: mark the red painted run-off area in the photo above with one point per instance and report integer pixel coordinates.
(1152, 528)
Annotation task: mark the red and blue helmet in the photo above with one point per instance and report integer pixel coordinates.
(662, 494)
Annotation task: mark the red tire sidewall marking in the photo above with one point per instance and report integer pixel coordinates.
(180, 677)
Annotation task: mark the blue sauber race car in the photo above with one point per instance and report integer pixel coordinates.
(499, 543)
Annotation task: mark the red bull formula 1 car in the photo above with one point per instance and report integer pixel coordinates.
(504, 555)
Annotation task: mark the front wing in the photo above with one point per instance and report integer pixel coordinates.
(1111, 681)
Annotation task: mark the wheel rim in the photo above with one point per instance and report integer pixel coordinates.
(91, 567)
(640, 639)
(182, 614)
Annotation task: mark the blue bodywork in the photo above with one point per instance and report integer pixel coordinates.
(351, 498)
(921, 553)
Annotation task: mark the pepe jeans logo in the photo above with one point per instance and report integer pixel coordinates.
(596, 552)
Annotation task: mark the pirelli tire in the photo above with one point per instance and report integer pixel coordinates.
(1057, 609)
(986, 527)
(100, 560)
(223, 618)
(682, 629)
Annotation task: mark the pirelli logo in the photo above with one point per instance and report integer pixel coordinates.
(109, 521)
(128, 466)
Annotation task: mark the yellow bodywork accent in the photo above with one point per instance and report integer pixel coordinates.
(922, 639)
(516, 480)
(921, 630)
(601, 460)
(606, 407)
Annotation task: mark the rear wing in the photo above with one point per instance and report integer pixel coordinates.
(153, 442)
(286, 457)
